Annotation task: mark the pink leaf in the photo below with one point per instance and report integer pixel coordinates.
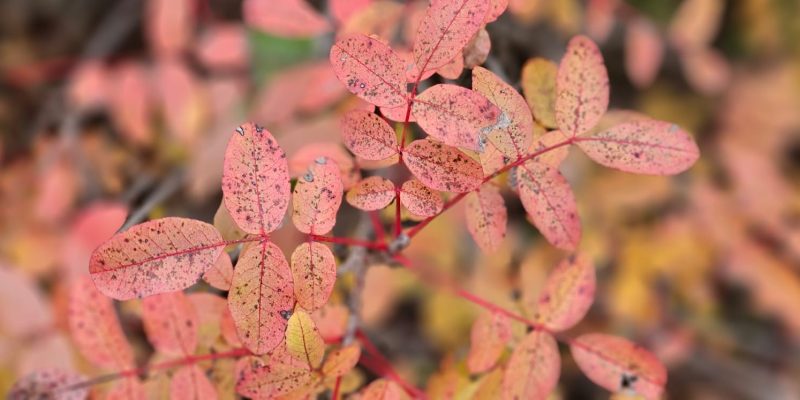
(497, 8)
(220, 274)
(191, 383)
(94, 327)
(420, 200)
(618, 364)
(644, 52)
(555, 156)
(290, 18)
(368, 135)
(486, 217)
(370, 70)
(512, 132)
(224, 46)
(159, 256)
(48, 384)
(581, 87)
(298, 164)
(488, 338)
(132, 102)
(255, 180)
(272, 375)
(170, 322)
(397, 114)
(567, 294)
(706, 70)
(442, 167)
(550, 203)
(383, 389)
(455, 115)
(314, 273)
(643, 147)
(533, 369)
(446, 29)
(317, 197)
(94, 225)
(170, 25)
(373, 193)
(24, 309)
(453, 69)
(183, 99)
(261, 297)
(342, 10)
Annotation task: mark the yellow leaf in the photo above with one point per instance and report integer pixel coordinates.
(303, 339)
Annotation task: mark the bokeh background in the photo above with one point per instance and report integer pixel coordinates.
(115, 111)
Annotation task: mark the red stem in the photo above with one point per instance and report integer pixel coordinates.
(377, 363)
(377, 226)
(335, 395)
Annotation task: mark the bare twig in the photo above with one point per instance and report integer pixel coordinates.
(168, 187)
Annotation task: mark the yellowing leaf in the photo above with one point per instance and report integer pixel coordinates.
(47, 384)
(538, 82)
(303, 340)
(511, 134)
(567, 294)
(533, 369)
(314, 273)
(490, 333)
(341, 361)
(273, 375)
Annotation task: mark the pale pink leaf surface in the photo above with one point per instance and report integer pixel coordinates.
(224, 46)
(446, 29)
(695, 23)
(372, 193)
(533, 369)
(644, 52)
(227, 327)
(191, 383)
(261, 297)
(298, 164)
(492, 159)
(419, 199)
(383, 389)
(255, 180)
(707, 70)
(441, 167)
(158, 256)
(341, 361)
(331, 320)
(549, 201)
(397, 114)
(567, 294)
(478, 49)
(220, 274)
(170, 322)
(132, 102)
(24, 309)
(455, 115)
(618, 364)
(169, 25)
(94, 327)
(127, 389)
(183, 99)
(496, 9)
(581, 87)
(555, 156)
(272, 375)
(600, 18)
(453, 69)
(342, 10)
(317, 197)
(289, 18)
(303, 340)
(370, 70)
(486, 217)
(48, 384)
(314, 273)
(368, 136)
(512, 133)
(643, 147)
(488, 338)
(94, 225)
(209, 308)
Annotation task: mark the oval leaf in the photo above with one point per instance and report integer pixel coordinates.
(420, 200)
(314, 273)
(373, 193)
(618, 364)
(191, 383)
(455, 115)
(567, 294)
(255, 180)
(383, 389)
(442, 168)
(511, 134)
(317, 197)
(488, 338)
(48, 384)
(643, 147)
(370, 70)
(158, 256)
(170, 322)
(368, 136)
(549, 201)
(539, 86)
(261, 297)
(341, 361)
(533, 369)
(221, 273)
(581, 87)
(486, 217)
(444, 31)
(291, 18)
(271, 376)
(303, 340)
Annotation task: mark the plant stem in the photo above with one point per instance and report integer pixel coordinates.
(373, 360)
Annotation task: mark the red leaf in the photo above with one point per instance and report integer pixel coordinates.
(314, 273)
(94, 327)
(255, 180)
(643, 147)
(486, 217)
(170, 25)
(456, 116)
(550, 203)
(48, 384)
(420, 200)
(170, 322)
(272, 375)
(317, 197)
(618, 364)
(220, 274)
(373, 193)
(191, 383)
(488, 338)
(567, 294)
(512, 132)
(446, 29)
(159, 256)
(368, 135)
(533, 369)
(261, 298)
(370, 70)
(581, 87)
(290, 18)
(442, 167)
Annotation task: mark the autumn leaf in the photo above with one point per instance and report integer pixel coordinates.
(191, 383)
(368, 136)
(455, 115)
(618, 364)
(255, 180)
(303, 340)
(341, 361)
(488, 338)
(48, 384)
(170, 25)
(314, 273)
(581, 87)
(538, 82)
(642, 146)
(486, 217)
(554, 156)
(567, 294)
(372, 193)
(446, 28)
(511, 134)
(290, 18)
(261, 297)
(644, 52)
(383, 389)
(348, 169)
(220, 274)
(533, 369)
(170, 322)
(317, 197)
(272, 375)
(441, 167)
(549, 201)
(419, 199)
(370, 70)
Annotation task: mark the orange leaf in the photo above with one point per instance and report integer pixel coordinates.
(317, 197)
(373, 193)
(442, 167)
(370, 70)
(290, 18)
(512, 132)
(303, 340)
(553, 157)
(368, 135)
(191, 383)
(170, 322)
(490, 334)
(539, 86)
(581, 87)
(567, 294)
(533, 369)
(382, 389)
(314, 273)
(341, 361)
(420, 200)
(455, 115)
(272, 375)
(549, 201)
(486, 217)
(445, 30)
